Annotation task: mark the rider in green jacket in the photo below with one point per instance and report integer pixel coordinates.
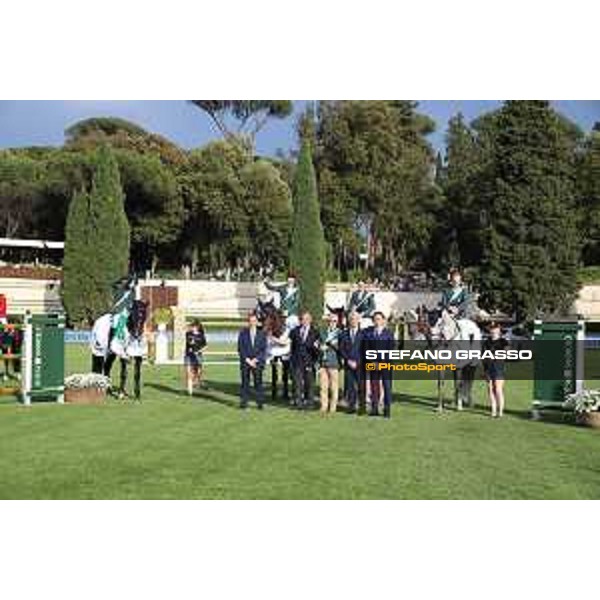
(362, 301)
(455, 298)
(289, 295)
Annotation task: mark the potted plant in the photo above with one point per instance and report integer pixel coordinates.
(162, 317)
(586, 406)
(86, 388)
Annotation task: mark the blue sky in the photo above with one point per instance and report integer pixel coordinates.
(40, 122)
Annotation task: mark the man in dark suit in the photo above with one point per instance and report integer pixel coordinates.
(305, 352)
(350, 351)
(380, 338)
(252, 348)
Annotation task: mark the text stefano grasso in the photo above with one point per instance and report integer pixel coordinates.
(446, 354)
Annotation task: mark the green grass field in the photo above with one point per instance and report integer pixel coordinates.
(170, 446)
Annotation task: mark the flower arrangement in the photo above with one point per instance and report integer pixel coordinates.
(583, 402)
(87, 381)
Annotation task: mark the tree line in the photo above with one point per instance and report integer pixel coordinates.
(514, 198)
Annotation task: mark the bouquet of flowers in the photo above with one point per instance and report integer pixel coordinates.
(86, 381)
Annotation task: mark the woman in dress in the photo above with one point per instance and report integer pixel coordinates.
(494, 369)
(195, 344)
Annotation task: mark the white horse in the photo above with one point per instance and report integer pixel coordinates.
(458, 333)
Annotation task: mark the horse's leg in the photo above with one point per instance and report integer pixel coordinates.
(469, 384)
(274, 378)
(464, 381)
(137, 377)
(458, 382)
(285, 377)
(123, 378)
(108, 363)
(97, 364)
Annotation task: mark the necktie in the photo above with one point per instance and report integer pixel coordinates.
(304, 333)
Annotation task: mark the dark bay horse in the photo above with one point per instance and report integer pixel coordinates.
(129, 345)
(278, 351)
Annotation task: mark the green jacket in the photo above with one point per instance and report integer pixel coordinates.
(457, 297)
(290, 298)
(362, 302)
(330, 343)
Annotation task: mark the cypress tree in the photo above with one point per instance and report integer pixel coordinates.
(589, 197)
(461, 210)
(97, 242)
(531, 249)
(77, 259)
(110, 234)
(307, 254)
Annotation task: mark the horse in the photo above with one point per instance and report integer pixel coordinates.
(342, 315)
(121, 336)
(264, 309)
(278, 351)
(441, 330)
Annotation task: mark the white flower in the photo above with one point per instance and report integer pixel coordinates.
(80, 381)
(585, 401)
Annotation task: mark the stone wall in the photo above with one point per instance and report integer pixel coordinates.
(588, 303)
(33, 295)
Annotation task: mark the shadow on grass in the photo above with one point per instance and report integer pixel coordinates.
(483, 408)
(227, 394)
(220, 392)
(213, 395)
(232, 390)
(430, 403)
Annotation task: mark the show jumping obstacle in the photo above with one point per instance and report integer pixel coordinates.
(34, 357)
(558, 363)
